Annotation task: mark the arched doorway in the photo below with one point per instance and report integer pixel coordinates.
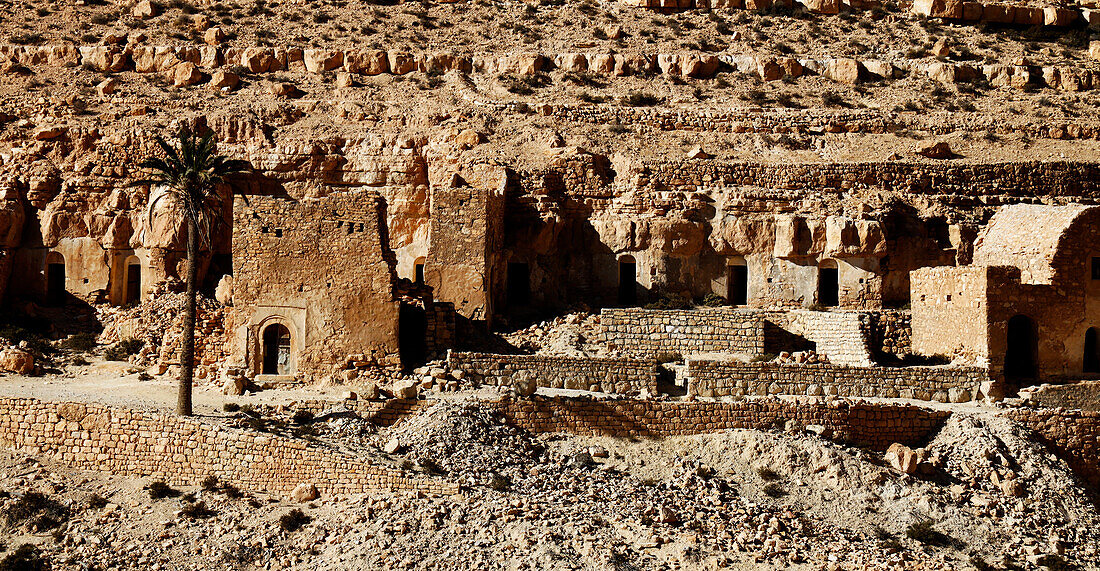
(828, 284)
(418, 270)
(133, 280)
(55, 278)
(737, 284)
(276, 345)
(412, 335)
(1021, 347)
(1091, 361)
(628, 280)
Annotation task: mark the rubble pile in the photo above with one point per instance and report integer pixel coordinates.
(571, 335)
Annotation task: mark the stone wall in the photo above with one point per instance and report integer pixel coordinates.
(1082, 395)
(737, 379)
(620, 376)
(651, 332)
(1073, 434)
(841, 336)
(184, 451)
(863, 424)
(891, 334)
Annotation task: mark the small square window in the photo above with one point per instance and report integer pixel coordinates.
(1096, 268)
(948, 297)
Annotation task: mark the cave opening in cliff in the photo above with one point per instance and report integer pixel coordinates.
(276, 359)
(628, 281)
(412, 335)
(737, 282)
(828, 284)
(55, 279)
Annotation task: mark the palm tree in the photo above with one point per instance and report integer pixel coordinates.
(189, 175)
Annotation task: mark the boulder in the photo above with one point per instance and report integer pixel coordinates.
(284, 89)
(938, 8)
(902, 458)
(366, 62)
(213, 36)
(304, 493)
(16, 360)
(144, 10)
(107, 87)
(234, 386)
(186, 74)
(223, 79)
(844, 70)
(391, 446)
(940, 150)
(468, 139)
(318, 61)
(822, 6)
(406, 389)
(1094, 49)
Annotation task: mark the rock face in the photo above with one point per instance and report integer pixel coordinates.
(16, 360)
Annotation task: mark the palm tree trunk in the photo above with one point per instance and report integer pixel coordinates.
(187, 358)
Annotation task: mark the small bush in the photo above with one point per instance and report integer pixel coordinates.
(642, 99)
(37, 511)
(671, 302)
(499, 483)
(429, 466)
(774, 490)
(144, 376)
(294, 520)
(198, 510)
(302, 417)
(231, 491)
(767, 474)
(96, 502)
(26, 557)
(231, 407)
(210, 483)
(79, 361)
(159, 489)
(122, 350)
(713, 300)
(923, 532)
(82, 342)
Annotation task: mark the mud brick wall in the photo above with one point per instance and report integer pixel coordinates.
(183, 451)
(654, 331)
(1073, 434)
(622, 376)
(736, 379)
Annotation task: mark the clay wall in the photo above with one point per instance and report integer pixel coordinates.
(292, 266)
(737, 379)
(184, 451)
(621, 376)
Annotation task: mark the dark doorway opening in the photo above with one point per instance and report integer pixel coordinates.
(276, 350)
(519, 284)
(1091, 362)
(55, 283)
(418, 271)
(828, 285)
(1021, 348)
(412, 336)
(628, 281)
(738, 285)
(133, 283)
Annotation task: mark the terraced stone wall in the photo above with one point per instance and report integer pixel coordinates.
(654, 331)
(1073, 434)
(184, 451)
(737, 379)
(621, 376)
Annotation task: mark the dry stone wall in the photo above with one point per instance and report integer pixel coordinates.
(655, 331)
(620, 376)
(864, 424)
(736, 379)
(1073, 434)
(183, 451)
